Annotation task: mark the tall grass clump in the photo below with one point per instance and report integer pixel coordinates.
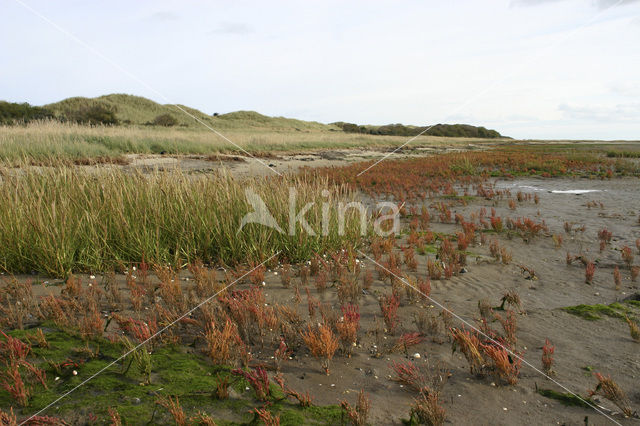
(63, 220)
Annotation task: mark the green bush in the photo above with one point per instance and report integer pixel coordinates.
(449, 130)
(13, 113)
(167, 120)
(93, 114)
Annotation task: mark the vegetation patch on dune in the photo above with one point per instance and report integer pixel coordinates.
(595, 312)
(565, 398)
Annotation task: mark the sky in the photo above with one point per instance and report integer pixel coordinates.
(549, 69)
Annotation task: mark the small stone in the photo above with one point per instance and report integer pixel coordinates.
(416, 355)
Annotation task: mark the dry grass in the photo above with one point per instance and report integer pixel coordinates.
(634, 330)
(54, 142)
(609, 389)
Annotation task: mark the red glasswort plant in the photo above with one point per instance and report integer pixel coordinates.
(617, 279)
(547, 356)
(358, 415)
(389, 306)
(589, 271)
(258, 380)
(348, 326)
(627, 255)
(322, 344)
(505, 366)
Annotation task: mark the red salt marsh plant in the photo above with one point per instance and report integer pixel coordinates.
(509, 326)
(424, 288)
(285, 275)
(470, 346)
(223, 343)
(604, 235)
(266, 417)
(410, 259)
(547, 356)
(321, 281)
(12, 382)
(256, 276)
(389, 307)
(410, 375)
(367, 280)
(434, 270)
(505, 366)
(322, 344)
(617, 278)
(428, 410)
(173, 406)
(462, 240)
(406, 341)
(357, 415)
(505, 256)
(494, 249)
(627, 255)
(496, 223)
(13, 349)
(258, 380)
(589, 271)
(281, 354)
(635, 271)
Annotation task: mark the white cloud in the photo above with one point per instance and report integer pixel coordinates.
(237, 28)
(602, 113)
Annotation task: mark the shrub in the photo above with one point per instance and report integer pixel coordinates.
(166, 120)
(93, 114)
(14, 113)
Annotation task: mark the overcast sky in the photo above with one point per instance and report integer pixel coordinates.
(527, 68)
